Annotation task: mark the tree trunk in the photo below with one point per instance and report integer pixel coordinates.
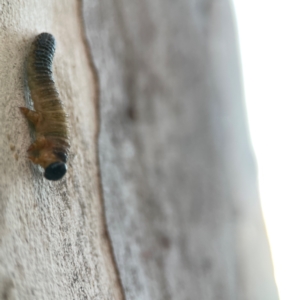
(176, 167)
(53, 239)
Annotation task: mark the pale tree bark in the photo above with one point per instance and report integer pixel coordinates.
(161, 80)
(53, 239)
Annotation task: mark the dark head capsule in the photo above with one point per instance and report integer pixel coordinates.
(55, 171)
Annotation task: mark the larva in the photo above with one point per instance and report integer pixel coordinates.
(51, 147)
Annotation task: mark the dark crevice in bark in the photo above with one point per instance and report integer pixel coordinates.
(98, 130)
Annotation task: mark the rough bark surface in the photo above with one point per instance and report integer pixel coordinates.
(53, 242)
(178, 173)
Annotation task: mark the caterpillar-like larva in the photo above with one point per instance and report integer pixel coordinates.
(51, 147)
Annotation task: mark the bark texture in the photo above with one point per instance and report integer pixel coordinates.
(178, 173)
(53, 242)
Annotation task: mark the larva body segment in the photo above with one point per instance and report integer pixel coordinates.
(50, 150)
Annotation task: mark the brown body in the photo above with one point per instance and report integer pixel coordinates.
(49, 119)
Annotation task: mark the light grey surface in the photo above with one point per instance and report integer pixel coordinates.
(53, 243)
(178, 174)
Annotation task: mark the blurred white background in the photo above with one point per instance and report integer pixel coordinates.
(269, 34)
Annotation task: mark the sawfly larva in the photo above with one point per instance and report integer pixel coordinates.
(51, 147)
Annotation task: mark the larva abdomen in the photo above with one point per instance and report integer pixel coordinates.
(39, 71)
(50, 150)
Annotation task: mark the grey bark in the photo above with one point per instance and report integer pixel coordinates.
(178, 173)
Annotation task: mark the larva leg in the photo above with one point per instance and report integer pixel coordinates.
(35, 148)
(31, 115)
(38, 145)
(34, 159)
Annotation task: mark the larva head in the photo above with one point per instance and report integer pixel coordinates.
(50, 154)
(55, 171)
(54, 163)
